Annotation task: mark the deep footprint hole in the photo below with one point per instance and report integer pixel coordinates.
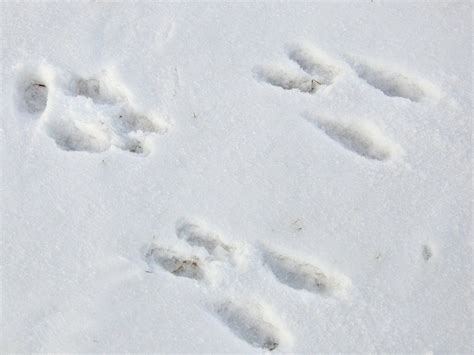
(35, 97)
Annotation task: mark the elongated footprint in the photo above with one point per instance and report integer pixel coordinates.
(316, 70)
(361, 137)
(196, 235)
(299, 274)
(251, 323)
(173, 262)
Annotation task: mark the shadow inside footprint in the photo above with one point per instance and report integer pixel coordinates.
(426, 252)
(135, 146)
(392, 83)
(361, 137)
(176, 264)
(130, 121)
(76, 135)
(35, 97)
(195, 235)
(95, 90)
(314, 62)
(302, 275)
(286, 79)
(296, 274)
(249, 324)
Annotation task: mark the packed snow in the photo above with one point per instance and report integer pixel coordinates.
(236, 177)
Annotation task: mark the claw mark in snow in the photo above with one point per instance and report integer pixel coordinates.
(361, 137)
(252, 324)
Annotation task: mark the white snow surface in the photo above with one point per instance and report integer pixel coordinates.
(230, 177)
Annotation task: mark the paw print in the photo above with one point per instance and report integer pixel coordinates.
(317, 72)
(90, 114)
(254, 322)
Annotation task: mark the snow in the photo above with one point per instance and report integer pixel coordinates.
(210, 177)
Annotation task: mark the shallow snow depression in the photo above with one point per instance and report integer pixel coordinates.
(236, 177)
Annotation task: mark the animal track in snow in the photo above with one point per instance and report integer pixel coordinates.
(31, 94)
(314, 62)
(361, 137)
(91, 114)
(290, 271)
(175, 263)
(36, 97)
(195, 235)
(317, 70)
(251, 323)
(426, 252)
(303, 275)
(393, 83)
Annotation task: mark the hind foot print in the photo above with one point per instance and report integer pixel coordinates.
(299, 275)
(360, 137)
(252, 323)
(393, 83)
